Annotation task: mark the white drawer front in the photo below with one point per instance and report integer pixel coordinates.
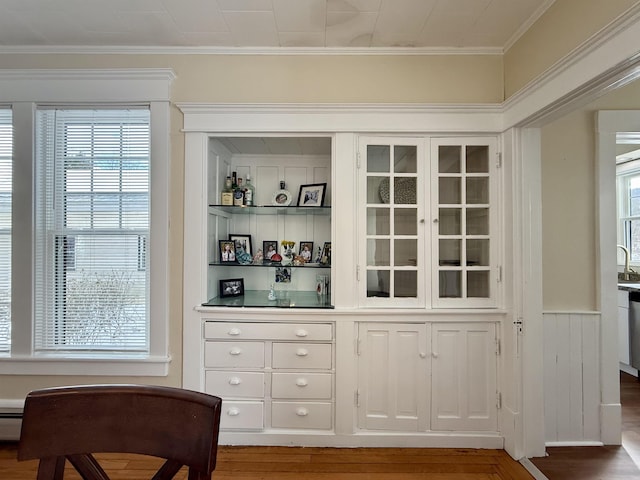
(268, 331)
(234, 384)
(242, 415)
(623, 298)
(301, 385)
(302, 355)
(234, 354)
(301, 415)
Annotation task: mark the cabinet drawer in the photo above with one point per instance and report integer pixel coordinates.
(302, 355)
(301, 385)
(268, 331)
(234, 354)
(301, 415)
(242, 415)
(234, 384)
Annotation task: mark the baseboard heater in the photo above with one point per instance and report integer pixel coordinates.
(10, 421)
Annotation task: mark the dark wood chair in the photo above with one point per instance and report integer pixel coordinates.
(177, 425)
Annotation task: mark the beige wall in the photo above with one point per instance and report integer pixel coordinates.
(569, 203)
(562, 28)
(244, 78)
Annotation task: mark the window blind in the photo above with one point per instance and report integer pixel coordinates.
(92, 229)
(6, 180)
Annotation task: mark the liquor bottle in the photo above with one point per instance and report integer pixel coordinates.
(249, 191)
(234, 182)
(227, 193)
(238, 194)
(282, 197)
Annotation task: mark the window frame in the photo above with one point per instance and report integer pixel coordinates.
(624, 172)
(86, 88)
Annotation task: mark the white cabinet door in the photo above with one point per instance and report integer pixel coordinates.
(464, 393)
(393, 377)
(624, 347)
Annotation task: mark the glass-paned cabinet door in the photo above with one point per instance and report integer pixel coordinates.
(391, 263)
(464, 222)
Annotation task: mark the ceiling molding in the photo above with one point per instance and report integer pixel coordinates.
(528, 24)
(334, 51)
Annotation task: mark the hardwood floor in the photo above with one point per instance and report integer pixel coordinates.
(297, 463)
(606, 463)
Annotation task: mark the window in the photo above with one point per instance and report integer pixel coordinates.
(6, 153)
(629, 208)
(86, 222)
(92, 219)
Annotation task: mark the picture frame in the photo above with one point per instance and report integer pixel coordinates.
(312, 195)
(269, 248)
(326, 254)
(306, 251)
(231, 287)
(243, 241)
(227, 251)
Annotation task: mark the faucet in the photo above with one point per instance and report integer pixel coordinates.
(627, 258)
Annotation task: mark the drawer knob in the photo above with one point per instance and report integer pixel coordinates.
(301, 333)
(233, 412)
(302, 352)
(302, 382)
(234, 332)
(235, 381)
(302, 412)
(235, 351)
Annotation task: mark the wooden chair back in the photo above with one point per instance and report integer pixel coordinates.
(72, 423)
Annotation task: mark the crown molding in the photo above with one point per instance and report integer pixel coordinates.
(330, 51)
(528, 24)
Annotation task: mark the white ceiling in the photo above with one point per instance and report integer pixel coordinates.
(466, 24)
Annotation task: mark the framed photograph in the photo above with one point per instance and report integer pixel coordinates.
(242, 242)
(306, 251)
(312, 195)
(269, 248)
(231, 287)
(326, 254)
(227, 251)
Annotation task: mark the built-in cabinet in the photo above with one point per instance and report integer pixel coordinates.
(397, 344)
(420, 377)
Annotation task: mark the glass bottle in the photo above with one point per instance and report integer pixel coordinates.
(226, 197)
(238, 194)
(249, 191)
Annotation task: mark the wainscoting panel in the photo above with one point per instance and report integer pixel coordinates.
(571, 377)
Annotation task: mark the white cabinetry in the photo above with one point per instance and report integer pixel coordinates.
(419, 377)
(271, 375)
(464, 377)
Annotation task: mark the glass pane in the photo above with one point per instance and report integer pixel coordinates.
(449, 158)
(78, 211)
(378, 252)
(449, 221)
(405, 253)
(405, 159)
(477, 221)
(478, 284)
(378, 221)
(378, 283)
(450, 284)
(477, 159)
(377, 190)
(477, 190)
(404, 190)
(634, 195)
(449, 190)
(405, 221)
(406, 284)
(378, 158)
(632, 229)
(478, 252)
(450, 252)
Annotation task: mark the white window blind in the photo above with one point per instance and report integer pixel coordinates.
(92, 230)
(6, 155)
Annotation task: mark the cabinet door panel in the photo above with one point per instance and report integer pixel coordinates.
(393, 376)
(464, 377)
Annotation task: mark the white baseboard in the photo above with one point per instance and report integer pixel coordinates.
(9, 424)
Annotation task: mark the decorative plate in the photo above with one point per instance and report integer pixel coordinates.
(405, 190)
(281, 198)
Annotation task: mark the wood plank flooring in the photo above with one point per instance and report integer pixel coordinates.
(602, 463)
(298, 463)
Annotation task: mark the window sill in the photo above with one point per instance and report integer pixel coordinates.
(86, 365)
